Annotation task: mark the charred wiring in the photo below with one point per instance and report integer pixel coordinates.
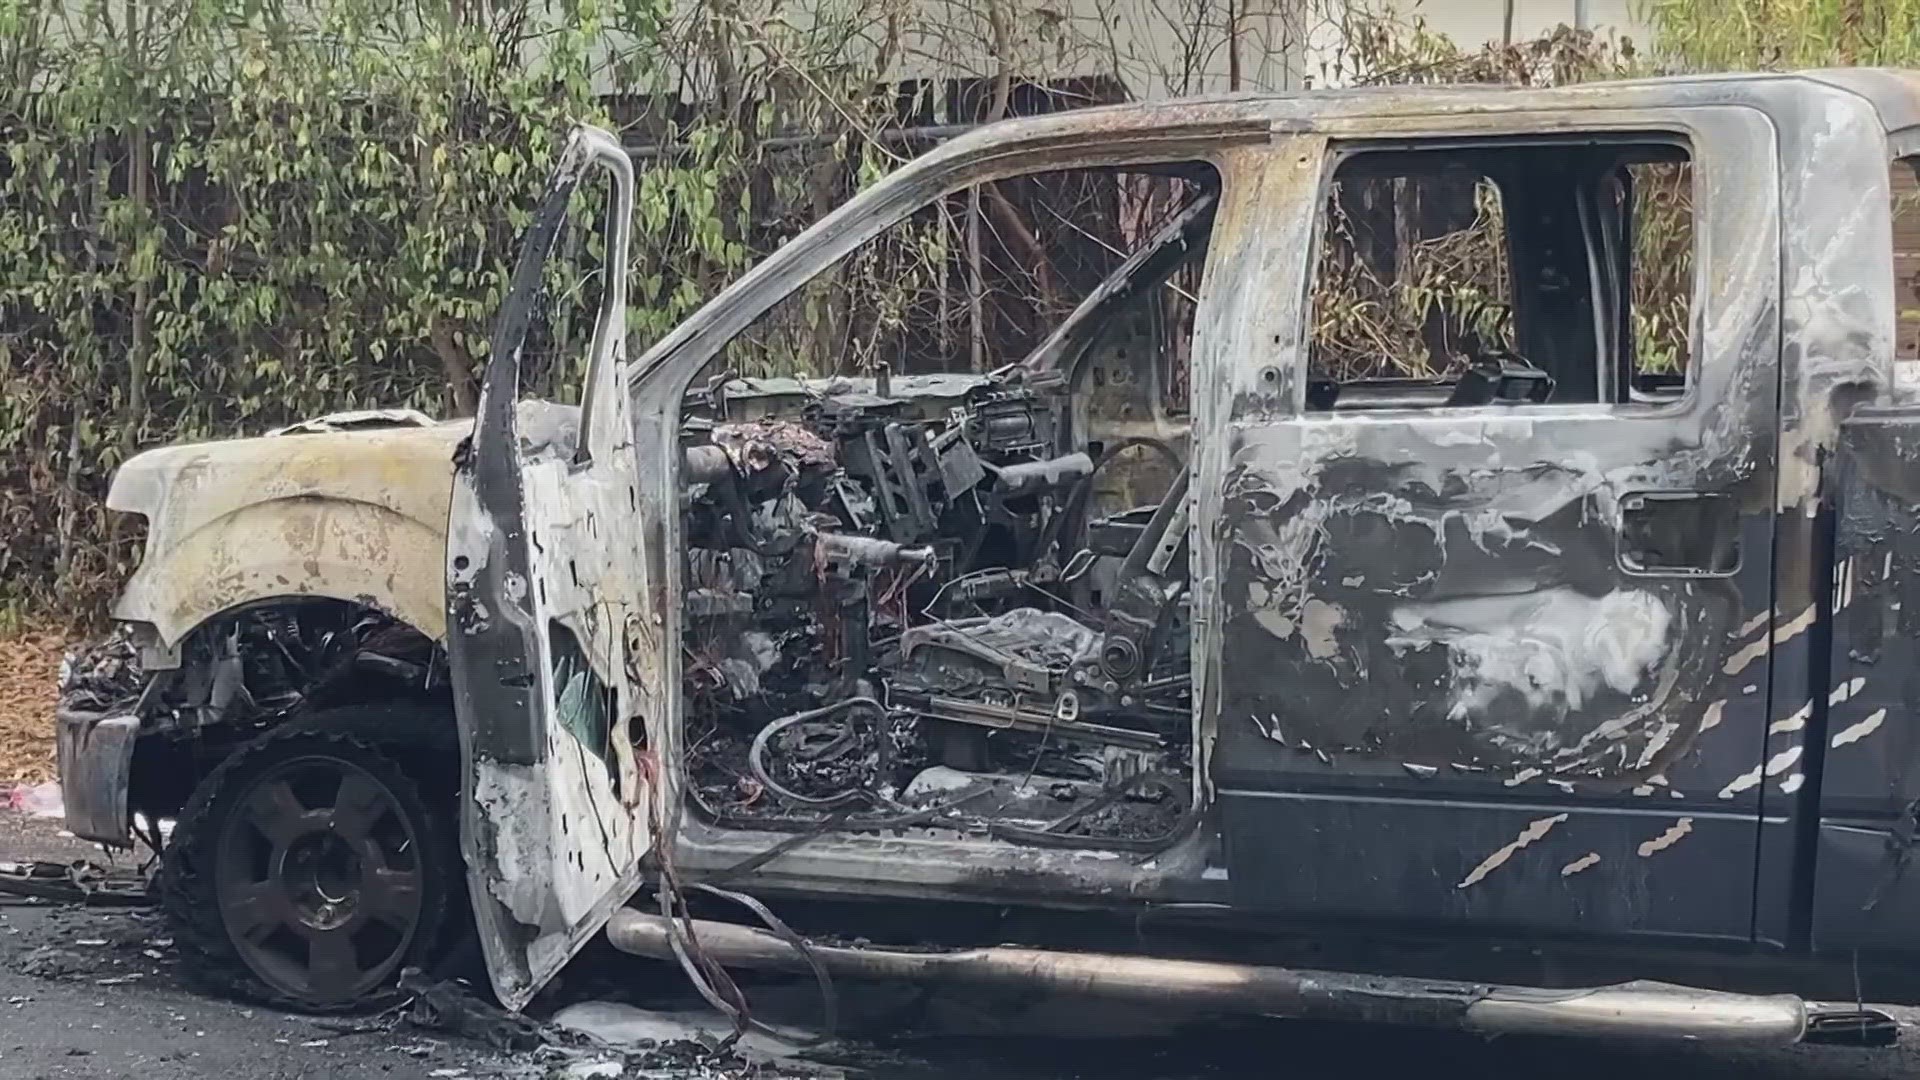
(245, 673)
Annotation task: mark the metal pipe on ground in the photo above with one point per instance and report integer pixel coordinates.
(1638, 1009)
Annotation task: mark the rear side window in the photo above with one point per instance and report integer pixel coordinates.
(1521, 273)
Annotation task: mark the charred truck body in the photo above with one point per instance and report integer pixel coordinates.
(1531, 638)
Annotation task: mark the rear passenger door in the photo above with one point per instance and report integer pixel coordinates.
(1494, 523)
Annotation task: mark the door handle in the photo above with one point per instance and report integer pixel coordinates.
(1679, 534)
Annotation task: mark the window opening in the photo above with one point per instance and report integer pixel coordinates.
(1513, 274)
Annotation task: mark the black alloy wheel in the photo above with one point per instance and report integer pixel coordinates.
(310, 860)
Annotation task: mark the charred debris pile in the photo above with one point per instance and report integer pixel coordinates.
(899, 612)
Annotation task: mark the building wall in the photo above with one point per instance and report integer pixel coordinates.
(1477, 22)
(1167, 48)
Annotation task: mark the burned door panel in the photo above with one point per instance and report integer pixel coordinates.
(1429, 674)
(1504, 865)
(1482, 617)
(1428, 631)
(548, 629)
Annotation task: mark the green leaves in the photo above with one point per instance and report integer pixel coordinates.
(334, 192)
(316, 198)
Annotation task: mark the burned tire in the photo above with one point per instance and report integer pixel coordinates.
(307, 872)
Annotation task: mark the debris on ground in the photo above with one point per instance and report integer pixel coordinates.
(591, 1039)
(78, 882)
(452, 1008)
(37, 800)
(620, 1024)
(100, 947)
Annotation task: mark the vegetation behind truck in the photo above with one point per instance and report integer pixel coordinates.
(1564, 609)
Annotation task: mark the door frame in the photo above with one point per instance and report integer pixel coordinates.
(1160, 134)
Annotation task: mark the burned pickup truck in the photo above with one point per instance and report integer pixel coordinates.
(1472, 668)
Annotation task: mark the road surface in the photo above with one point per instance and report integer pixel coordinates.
(94, 994)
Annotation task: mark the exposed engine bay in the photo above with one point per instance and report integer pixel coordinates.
(898, 613)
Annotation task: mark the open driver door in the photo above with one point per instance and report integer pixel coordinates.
(549, 635)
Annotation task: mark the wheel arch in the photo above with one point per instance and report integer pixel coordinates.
(385, 703)
(295, 548)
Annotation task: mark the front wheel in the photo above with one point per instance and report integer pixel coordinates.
(308, 872)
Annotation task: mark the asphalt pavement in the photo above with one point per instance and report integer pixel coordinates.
(98, 994)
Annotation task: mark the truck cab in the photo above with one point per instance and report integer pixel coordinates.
(1519, 556)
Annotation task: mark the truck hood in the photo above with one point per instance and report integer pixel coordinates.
(353, 508)
(183, 489)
